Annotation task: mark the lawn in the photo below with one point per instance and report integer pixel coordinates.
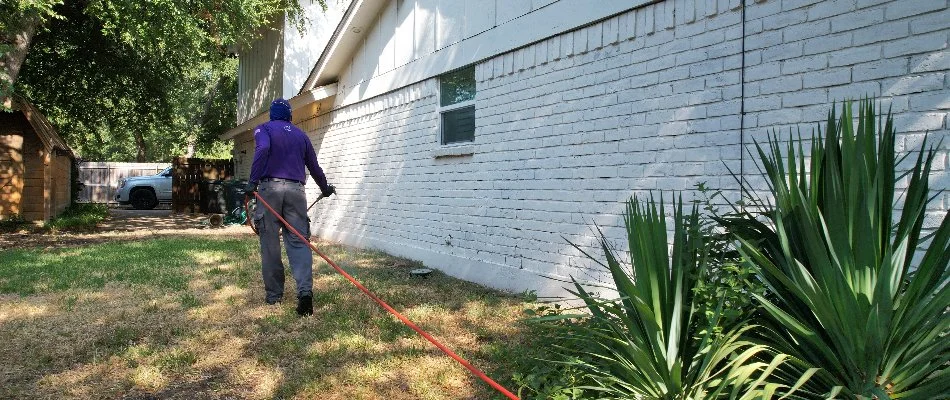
(184, 317)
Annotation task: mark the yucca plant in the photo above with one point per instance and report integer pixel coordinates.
(846, 292)
(653, 341)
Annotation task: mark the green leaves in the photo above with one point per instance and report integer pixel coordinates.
(845, 294)
(653, 340)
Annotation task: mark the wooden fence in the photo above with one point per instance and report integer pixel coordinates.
(190, 176)
(101, 179)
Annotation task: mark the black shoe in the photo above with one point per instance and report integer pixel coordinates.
(305, 305)
(272, 302)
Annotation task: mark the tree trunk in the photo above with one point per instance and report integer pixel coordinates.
(12, 61)
(140, 155)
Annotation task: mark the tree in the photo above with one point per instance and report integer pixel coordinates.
(132, 80)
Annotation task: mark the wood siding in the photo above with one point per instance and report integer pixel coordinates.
(260, 72)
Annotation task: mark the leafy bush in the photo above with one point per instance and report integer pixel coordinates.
(546, 374)
(12, 223)
(79, 217)
(847, 294)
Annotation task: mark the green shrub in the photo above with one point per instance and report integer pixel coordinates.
(846, 294)
(654, 340)
(13, 223)
(547, 374)
(79, 217)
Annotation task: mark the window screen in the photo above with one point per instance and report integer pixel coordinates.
(457, 105)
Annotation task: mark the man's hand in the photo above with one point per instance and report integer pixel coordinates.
(330, 190)
(250, 189)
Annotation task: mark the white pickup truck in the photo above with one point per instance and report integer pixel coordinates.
(146, 192)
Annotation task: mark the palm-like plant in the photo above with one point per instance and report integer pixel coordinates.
(846, 294)
(654, 341)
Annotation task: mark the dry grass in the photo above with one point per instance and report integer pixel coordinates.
(188, 321)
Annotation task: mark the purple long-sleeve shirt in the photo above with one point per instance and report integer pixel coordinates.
(282, 150)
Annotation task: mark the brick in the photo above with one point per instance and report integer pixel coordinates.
(804, 64)
(807, 30)
(826, 78)
(827, 9)
(794, 4)
(858, 19)
(879, 69)
(782, 52)
(857, 55)
(916, 44)
(762, 9)
(781, 84)
(931, 22)
(930, 101)
(854, 91)
(763, 40)
(763, 103)
(881, 33)
(827, 44)
(901, 9)
(805, 97)
(627, 26)
(913, 84)
(916, 122)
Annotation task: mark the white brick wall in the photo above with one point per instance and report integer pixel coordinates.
(570, 127)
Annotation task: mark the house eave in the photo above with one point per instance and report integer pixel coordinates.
(346, 39)
(304, 98)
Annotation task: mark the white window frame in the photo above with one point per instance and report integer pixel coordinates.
(440, 110)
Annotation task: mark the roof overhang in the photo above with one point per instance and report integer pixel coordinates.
(304, 98)
(43, 128)
(356, 23)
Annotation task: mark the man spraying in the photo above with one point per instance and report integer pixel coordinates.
(281, 152)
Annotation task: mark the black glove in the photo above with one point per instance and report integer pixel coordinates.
(330, 190)
(250, 189)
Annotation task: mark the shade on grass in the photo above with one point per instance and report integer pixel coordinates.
(160, 262)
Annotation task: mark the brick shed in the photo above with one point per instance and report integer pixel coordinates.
(35, 165)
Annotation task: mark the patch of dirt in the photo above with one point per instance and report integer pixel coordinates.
(124, 225)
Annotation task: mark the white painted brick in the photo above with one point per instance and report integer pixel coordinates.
(858, 19)
(856, 55)
(763, 40)
(897, 10)
(595, 36)
(913, 84)
(827, 9)
(916, 44)
(855, 91)
(763, 9)
(627, 26)
(879, 69)
(827, 44)
(881, 32)
(827, 77)
(805, 97)
(931, 22)
(804, 64)
(920, 122)
(793, 4)
(782, 52)
(930, 101)
(781, 84)
(807, 30)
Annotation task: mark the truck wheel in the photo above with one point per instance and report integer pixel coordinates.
(143, 199)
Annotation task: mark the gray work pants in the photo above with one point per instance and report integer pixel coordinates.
(288, 199)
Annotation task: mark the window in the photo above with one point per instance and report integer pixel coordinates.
(457, 105)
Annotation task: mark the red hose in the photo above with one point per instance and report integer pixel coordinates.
(391, 310)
